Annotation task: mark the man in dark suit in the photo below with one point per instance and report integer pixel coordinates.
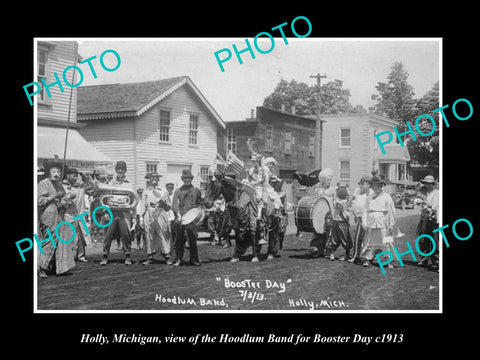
(186, 198)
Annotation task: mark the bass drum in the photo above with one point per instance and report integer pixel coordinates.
(310, 214)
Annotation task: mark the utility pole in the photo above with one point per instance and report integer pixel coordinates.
(318, 125)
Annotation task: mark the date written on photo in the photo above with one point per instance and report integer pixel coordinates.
(293, 339)
(251, 290)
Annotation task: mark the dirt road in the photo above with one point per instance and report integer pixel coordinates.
(293, 281)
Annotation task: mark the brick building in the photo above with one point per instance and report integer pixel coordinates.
(288, 137)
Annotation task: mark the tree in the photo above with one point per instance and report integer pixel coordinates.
(334, 98)
(289, 94)
(425, 150)
(395, 98)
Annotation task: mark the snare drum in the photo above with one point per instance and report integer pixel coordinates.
(195, 215)
(310, 214)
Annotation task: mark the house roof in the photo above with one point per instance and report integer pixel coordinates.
(112, 101)
(371, 116)
(287, 113)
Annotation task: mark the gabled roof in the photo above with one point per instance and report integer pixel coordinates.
(112, 101)
(371, 116)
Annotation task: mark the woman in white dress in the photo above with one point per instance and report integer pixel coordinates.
(378, 220)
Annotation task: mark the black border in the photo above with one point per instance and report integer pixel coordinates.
(424, 333)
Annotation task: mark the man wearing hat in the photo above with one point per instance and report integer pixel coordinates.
(52, 202)
(360, 195)
(153, 208)
(122, 220)
(186, 198)
(428, 221)
(378, 219)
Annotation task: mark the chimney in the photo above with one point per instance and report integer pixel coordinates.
(252, 114)
(293, 110)
(283, 107)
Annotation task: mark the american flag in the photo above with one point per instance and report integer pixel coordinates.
(237, 165)
(219, 160)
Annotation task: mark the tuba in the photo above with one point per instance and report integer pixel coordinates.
(116, 197)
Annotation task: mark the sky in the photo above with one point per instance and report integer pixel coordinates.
(359, 63)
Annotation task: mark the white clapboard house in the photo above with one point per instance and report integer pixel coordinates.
(164, 126)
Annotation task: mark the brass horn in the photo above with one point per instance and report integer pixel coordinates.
(116, 197)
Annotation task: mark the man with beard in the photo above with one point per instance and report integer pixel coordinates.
(52, 202)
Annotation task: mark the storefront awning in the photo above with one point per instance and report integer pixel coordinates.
(394, 153)
(51, 143)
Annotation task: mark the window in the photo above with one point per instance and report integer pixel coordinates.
(311, 146)
(344, 137)
(42, 71)
(193, 133)
(150, 168)
(375, 141)
(345, 170)
(203, 179)
(268, 138)
(164, 126)
(231, 140)
(288, 142)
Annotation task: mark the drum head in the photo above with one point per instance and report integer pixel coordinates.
(191, 215)
(321, 208)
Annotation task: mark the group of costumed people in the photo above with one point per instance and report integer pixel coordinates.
(154, 219)
(375, 221)
(156, 216)
(61, 198)
(268, 215)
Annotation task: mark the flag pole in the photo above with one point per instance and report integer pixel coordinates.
(69, 108)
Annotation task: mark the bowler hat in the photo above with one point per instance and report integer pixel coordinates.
(51, 164)
(169, 184)
(121, 165)
(70, 171)
(186, 173)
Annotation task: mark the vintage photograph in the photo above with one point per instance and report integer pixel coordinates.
(237, 175)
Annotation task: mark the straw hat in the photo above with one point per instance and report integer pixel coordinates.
(429, 179)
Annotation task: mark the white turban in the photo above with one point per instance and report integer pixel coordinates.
(270, 160)
(327, 172)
